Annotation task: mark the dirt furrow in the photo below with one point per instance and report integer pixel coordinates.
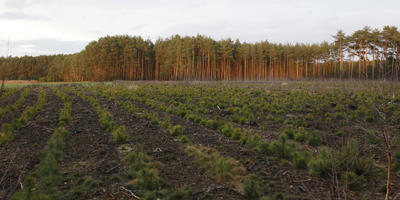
(21, 156)
(178, 168)
(271, 173)
(90, 154)
(29, 101)
(11, 99)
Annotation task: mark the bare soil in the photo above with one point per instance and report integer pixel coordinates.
(30, 100)
(21, 156)
(178, 168)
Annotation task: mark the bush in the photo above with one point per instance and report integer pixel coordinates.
(253, 141)
(269, 117)
(281, 149)
(245, 137)
(236, 135)
(153, 117)
(203, 121)
(301, 134)
(339, 133)
(372, 138)
(355, 181)
(166, 123)
(235, 118)
(328, 116)
(148, 179)
(106, 121)
(314, 140)
(120, 136)
(6, 134)
(350, 155)
(182, 113)
(127, 106)
(309, 117)
(176, 130)
(190, 117)
(251, 189)
(65, 114)
(184, 139)
(214, 124)
(220, 168)
(238, 119)
(136, 159)
(369, 118)
(83, 185)
(288, 122)
(16, 124)
(301, 121)
(6, 137)
(300, 160)
(197, 119)
(322, 164)
(339, 115)
(227, 130)
(264, 148)
(364, 165)
(151, 195)
(288, 131)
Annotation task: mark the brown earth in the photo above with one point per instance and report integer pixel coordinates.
(21, 156)
(178, 168)
(283, 176)
(90, 152)
(30, 100)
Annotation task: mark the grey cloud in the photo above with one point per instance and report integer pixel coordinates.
(43, 46)
(251, 20)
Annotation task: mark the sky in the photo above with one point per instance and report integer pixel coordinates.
(42, 27)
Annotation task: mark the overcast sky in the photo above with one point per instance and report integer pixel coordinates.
(37, 27)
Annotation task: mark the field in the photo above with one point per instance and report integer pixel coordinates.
(200, 140)
(24, 83)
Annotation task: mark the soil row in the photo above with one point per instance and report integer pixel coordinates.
(277, 177)
(10, 99)
(90, 153)
(21, 156)
(30, 100)
(331, 140)
(179, 170)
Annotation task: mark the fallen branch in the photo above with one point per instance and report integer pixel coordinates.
(301, 181)
(130, 192)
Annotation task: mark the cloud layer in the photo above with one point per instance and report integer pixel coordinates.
(38, 27)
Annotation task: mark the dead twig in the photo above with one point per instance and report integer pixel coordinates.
(301, 181)
(20, 183)
(110, 170)
(131, 193)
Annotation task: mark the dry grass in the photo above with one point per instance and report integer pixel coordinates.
(7, 82)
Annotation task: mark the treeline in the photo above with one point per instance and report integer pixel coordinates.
(366, 54)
